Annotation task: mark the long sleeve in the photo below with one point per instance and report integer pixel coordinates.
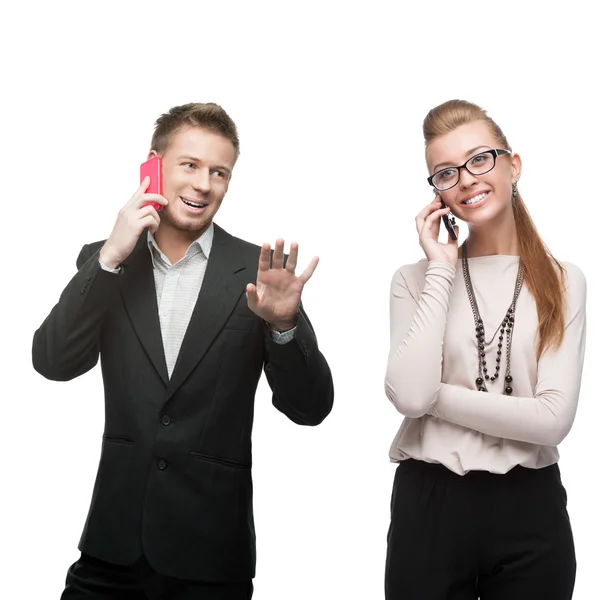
(547, 417)
(67, 343)
(417, 325)
(299, 375)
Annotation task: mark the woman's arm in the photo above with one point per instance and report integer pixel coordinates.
(417, 325)
(547, 417)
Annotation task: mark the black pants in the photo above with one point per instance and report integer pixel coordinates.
(93, 579)
(493, 537)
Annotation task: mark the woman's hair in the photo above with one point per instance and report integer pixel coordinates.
(544, 275)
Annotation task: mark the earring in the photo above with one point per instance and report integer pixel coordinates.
(514, 191)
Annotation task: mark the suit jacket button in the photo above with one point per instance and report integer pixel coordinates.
(166, 420)
(162, 464)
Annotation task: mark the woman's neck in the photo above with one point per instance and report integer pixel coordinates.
(497, 237)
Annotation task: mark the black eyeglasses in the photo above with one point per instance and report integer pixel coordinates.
(477, 165)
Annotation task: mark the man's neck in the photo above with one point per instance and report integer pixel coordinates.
(173, 243)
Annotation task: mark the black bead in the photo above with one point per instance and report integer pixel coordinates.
(508, 378)
(481, 346)
(512, 319)
(479, 381)
(502, 330)
(501, 337)
(498, 360)
(482, 389)
(508, 390)
(511, 309)
(485, 369)
(483, 363)
(487, 376)
(499, 352)
(482, 354)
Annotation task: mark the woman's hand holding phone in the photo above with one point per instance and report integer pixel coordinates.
(428, 227)
(132, 219)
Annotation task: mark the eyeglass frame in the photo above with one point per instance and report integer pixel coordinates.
(495, 152)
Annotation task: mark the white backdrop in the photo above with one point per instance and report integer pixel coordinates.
(329, 99)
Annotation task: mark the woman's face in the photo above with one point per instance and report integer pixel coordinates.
(475, 199)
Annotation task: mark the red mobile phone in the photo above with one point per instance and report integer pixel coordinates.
(153, 168)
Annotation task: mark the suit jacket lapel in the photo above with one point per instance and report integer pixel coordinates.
(139, 296)
(224, 282)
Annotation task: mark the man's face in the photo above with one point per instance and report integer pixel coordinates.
(197, 167)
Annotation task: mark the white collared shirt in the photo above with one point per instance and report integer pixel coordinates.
(177, 288)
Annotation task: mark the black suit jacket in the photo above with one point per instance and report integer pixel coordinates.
(174, 479)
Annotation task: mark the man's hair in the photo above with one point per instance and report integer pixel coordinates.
(207, 115)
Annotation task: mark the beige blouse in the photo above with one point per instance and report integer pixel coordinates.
(433, 365)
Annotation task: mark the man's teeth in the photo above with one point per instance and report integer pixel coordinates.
(476, 199)
(194, 204)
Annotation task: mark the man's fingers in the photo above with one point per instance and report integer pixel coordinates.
(155, 199)
(264, 260)
(251, 296)
(292, 260)
(278, 255)
(308, 272)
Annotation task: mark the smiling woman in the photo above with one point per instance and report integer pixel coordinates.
(485, 363)
(542, 272)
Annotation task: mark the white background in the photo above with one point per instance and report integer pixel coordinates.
(329, 99)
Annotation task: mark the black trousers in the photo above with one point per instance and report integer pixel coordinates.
(481, 535)
(94, 579)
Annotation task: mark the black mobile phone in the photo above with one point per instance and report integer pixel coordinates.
(449, 223)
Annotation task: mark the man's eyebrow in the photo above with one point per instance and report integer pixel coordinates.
(197, 160)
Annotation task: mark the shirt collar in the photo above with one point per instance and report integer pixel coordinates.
(203, 243)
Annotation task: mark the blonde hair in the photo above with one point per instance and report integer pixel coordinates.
(543, 274)
(208, 115)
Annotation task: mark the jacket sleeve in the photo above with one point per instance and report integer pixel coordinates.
(67, 344)
(299, 375)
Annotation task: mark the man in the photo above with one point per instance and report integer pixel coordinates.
(183, 325)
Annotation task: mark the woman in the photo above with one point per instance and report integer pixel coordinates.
(487, 348)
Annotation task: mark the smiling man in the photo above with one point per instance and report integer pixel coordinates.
(184, 317)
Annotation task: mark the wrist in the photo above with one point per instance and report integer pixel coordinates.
(107, 260)
(281, 326)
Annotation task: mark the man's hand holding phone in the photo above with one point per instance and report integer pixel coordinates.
(428, 227)
(138, 214)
